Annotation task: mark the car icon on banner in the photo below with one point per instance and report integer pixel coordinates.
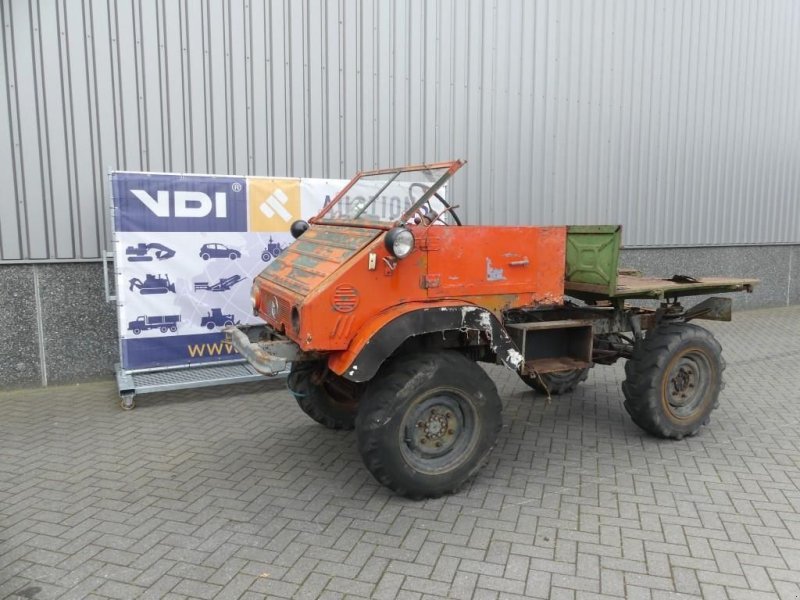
(208, 251)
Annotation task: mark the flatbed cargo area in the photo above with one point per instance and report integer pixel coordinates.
(634, 287)
(593, 272)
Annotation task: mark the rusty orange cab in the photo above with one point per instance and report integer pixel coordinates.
(385, 301)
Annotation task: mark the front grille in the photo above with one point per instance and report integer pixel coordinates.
(277, 309)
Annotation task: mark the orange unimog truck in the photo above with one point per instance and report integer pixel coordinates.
(385, 302)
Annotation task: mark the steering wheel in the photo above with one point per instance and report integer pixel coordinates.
(423, 215)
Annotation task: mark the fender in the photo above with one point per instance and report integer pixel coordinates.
(381, 336)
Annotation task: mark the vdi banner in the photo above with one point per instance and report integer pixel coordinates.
(187, 248)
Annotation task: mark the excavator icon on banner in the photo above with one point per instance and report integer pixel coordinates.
(141, 252)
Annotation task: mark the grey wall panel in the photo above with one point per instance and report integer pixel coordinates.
(10, 217)
(676, 118)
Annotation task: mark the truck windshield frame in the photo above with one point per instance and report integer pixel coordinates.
(363, 211)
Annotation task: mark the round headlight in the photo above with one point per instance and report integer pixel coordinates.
(298, 228)
(400, 242)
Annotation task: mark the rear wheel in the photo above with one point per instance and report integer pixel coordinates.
(556, 383)
(673, 380)
(327, 398)
(427, 423)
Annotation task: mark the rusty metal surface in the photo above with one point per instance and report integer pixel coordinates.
(555, 364)
(313, 257)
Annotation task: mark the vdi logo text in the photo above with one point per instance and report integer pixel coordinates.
(145, 202)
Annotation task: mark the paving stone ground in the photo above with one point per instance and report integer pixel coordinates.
(233, 493)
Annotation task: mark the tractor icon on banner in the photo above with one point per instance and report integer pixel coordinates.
(272, 250)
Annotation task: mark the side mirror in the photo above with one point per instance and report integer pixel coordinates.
(298, 228)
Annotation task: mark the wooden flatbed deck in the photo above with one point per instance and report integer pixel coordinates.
(634, 287)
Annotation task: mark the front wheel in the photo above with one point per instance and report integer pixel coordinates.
(427, 423)
(266, 256)
(673, 380)
(556, 383)
(327, 398)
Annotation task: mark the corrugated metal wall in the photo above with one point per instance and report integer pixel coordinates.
(679, 119)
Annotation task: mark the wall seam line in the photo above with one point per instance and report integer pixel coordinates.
(39, 326)
(789, 279)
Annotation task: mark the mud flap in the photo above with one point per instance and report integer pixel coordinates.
(711, 309)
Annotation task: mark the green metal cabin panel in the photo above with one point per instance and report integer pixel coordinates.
(593, 255)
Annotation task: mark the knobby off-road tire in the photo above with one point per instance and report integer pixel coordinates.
(427, 422)
(327, 398)
(673, 380)
(556, 383)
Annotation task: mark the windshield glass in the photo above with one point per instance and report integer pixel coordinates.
(384, 196)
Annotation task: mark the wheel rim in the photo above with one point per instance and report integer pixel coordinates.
(686, 384)
(438, 431)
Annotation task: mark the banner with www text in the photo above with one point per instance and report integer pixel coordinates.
(187, 248)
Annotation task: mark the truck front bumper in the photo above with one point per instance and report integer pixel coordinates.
(267, 356)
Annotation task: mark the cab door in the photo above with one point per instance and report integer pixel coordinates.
(527, 262)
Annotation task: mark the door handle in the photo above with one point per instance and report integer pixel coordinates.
(519, 263)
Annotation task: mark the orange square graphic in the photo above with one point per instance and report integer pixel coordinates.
(273, 204)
